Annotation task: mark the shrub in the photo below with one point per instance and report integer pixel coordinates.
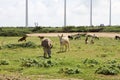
(10, 46)
(107, 70)
(48, 63)
(38, 63)
(29, 62)
(90, 61)
(0, 47)
(68, 29)
(95, 29)
(103, 55)
(111, 67)
(118, 66)
(23, 45)
(111, 62)
(28, 44)
(0, 29)
(4, 62)
(13, 33)
(37, 29)
(69, 71)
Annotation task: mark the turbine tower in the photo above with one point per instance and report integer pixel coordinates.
(26, 13)
(64, 13)
(110, 14)
(90, 12)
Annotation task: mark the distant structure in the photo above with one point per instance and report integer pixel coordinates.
(110, 14)
(26, 18)
(36, 24)
(64, 13)
(102, 25)
(91, 13)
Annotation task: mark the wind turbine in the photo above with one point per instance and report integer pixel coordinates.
(26, 13)
(110, 14)
(90, 12)
(64, 13)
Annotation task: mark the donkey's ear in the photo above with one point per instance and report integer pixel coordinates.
(62, 35)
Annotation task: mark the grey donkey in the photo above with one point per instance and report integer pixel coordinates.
(46, 43)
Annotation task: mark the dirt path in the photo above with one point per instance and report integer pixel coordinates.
(103, 34)
(19, 77)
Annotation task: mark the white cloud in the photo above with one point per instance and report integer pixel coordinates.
(50, 12)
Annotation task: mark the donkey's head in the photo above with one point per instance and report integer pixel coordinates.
(60, 37)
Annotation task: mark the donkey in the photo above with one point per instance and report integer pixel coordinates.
(64, 42)
(46, 43)
(70, 37)
(117, 37)
(86, 40)
(41, 37)
(22, 39)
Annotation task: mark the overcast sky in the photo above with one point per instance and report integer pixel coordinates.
(50, 12)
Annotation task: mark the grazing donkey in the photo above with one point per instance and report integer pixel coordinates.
(70, 37)
(77, 36)
(41, 37)
(117, 37)
(64, 42)
(46, 43)
(86, 40)
(92, 40)
(22, 38)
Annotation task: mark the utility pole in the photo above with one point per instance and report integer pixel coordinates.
(110, 14)
(90, 12)
(26, 13)
(64, 13)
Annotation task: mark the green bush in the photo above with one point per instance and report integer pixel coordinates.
(0, 29)
(29, 62)
(107, 70)
(37, 29)
(69, 71)
(23, 45)
(68, 29)
(13, 33)
(0, 47)
(90, 61)
(20, 31)
(111, 67)
(103, 55)
(111, 61)
(48, 63)
(38, 63)
(95, 29)
(4, 62)
(28, 45)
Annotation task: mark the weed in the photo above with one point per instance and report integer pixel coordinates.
(38, 63)
(29, 62)
(4, 62)
(90, 61)
(23, 45)
(111, 67)
(107, 70)
(69, 71)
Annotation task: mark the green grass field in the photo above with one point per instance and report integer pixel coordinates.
(98, 61)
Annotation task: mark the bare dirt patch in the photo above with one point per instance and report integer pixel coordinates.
(103, 34)
(20, 77)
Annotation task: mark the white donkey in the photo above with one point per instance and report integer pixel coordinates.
(64, 42)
